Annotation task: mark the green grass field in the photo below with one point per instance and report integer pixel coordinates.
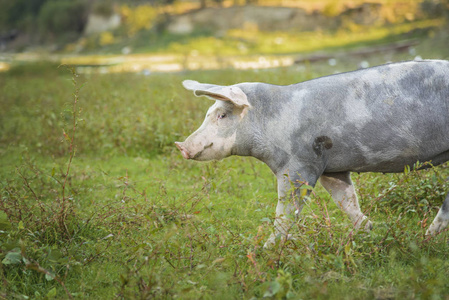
(96, 202)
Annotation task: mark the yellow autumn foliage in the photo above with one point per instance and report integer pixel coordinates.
(138, 17)
(106, 38)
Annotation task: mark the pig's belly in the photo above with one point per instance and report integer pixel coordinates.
(387, 162)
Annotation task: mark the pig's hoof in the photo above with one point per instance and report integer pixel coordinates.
(279, 238)
(437, 226)
(368, 226)
(365, 225)
(270, 242)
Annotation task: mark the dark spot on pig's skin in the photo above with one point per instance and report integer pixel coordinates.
(320, 144)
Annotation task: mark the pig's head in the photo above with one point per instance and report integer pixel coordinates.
(216, 136)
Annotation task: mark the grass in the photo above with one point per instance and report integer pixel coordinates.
(140, 222)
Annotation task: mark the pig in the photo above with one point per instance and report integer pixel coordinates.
(380, 119)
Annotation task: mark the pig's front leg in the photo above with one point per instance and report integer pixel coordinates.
(289, 204)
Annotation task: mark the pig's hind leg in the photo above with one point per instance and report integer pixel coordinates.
(340, 187)
(441, 220)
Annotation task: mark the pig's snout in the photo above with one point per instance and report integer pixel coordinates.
(183, 150)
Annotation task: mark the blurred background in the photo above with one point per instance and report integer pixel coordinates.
(109, 36)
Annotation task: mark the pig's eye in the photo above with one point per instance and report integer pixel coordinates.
(221, 116)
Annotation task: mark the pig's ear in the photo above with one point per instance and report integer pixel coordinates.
(224, 93)
(193, 85)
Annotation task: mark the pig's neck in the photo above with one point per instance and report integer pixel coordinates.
(253, 138)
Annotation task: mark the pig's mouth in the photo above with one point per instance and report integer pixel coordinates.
(185, 153)
(201, 152)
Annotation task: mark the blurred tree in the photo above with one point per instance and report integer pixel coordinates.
(167, 2)
(138, 17)
(103, 8)
(151, 2)
(446, 8)
(19, 14)
(63, 17)
(435, 8)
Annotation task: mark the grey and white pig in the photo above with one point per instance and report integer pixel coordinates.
(380, 119)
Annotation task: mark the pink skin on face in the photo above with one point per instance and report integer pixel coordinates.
(181, 148)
